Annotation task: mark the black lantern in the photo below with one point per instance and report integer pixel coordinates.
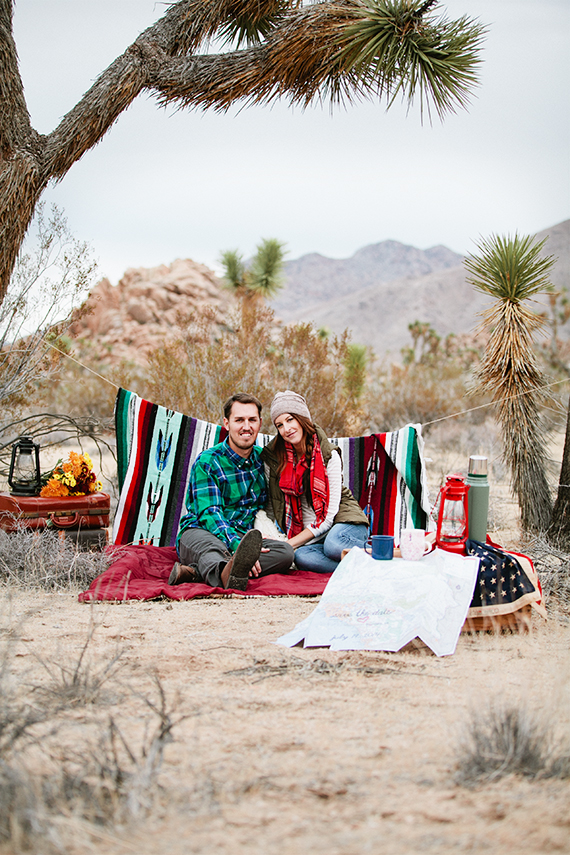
(25, 476)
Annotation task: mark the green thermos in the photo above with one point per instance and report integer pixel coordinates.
(478, 498)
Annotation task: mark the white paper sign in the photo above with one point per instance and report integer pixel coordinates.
(382, 605)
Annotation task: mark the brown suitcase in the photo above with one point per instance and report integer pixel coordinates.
(69, 513)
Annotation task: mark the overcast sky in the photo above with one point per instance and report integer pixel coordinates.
(164, 184)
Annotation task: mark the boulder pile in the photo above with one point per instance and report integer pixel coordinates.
(146, 308)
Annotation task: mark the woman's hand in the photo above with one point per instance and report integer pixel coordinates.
(300, 539)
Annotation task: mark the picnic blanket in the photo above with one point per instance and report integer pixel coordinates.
(141, 573)
(156, 448)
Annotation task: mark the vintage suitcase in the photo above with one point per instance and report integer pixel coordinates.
(72, 513)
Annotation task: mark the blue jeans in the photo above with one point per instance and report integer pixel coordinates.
(324, 556)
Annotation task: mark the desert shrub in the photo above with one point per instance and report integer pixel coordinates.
(321, 369)
(355, 370)
(52, 273)
(200, 371)
(80, 682)
(553, 567)
(432, 382)
(46, 559)
(509, 739)
(555, 351)
(413, 393)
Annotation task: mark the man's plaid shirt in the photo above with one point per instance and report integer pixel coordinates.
(225, 492)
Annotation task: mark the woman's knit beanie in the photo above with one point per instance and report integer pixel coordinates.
(289, 402)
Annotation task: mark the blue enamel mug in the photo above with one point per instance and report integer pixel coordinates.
(380, 546)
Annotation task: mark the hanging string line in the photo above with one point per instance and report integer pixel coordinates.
(492, 403)
(77, 362)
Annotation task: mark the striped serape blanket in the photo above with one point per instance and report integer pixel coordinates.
(156, 448)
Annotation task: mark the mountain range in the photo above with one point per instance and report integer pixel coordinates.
(386, 286)
(375, 294)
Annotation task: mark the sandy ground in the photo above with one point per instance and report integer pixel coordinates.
(290, 751)
(281, 751)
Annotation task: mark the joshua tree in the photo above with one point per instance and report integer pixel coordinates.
(263, 277)
(335, 49)
(511, 270)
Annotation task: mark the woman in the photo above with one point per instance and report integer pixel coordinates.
(304, 478)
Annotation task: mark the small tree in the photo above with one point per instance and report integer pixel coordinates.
(263, 277)
(425, 344)
(512, 271)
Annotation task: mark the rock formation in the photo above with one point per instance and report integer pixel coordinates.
(147, 306)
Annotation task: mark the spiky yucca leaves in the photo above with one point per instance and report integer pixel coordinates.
(397, 45)
(341, 50)
(511, 270)
(234, 269)
(264, 276)
(251, 22)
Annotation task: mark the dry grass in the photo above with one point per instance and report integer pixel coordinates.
(79, 683)
(509, 739)
(258, 356)
(43, 559)
(553, 568)
(53, 775)
(261, 669)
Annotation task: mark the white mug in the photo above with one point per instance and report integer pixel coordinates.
(413, 544)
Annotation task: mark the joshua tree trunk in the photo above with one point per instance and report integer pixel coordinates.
(340, 50)
(559, 531)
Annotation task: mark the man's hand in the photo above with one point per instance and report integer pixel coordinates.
(256, 569)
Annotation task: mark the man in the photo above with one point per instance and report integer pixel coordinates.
(216, 542)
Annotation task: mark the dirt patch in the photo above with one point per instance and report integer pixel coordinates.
(292, 751)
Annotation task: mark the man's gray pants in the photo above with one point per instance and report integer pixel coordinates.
(208, 555)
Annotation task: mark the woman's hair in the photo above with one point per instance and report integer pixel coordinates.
(309, 432)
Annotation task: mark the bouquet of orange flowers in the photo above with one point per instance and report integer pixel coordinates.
(75, 477)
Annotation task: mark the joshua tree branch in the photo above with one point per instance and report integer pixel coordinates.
(326, 49)
(15, 124)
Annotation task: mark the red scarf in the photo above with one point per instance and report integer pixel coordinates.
(291, 484)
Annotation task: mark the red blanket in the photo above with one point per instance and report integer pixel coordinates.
(141, 573)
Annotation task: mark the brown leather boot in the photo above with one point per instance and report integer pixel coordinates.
(236, 572)
(182, 573)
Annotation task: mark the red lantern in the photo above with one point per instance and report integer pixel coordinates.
(453, 515)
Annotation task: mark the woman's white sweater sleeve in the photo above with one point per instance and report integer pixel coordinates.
(334, 471)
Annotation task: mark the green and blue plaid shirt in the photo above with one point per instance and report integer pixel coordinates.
(224, 493)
